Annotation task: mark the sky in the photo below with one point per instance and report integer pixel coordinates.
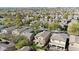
(39, 3)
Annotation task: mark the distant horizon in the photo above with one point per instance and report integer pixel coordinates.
(39, 7)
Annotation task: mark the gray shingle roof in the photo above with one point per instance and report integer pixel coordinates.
(10, 28)
(28, 35)
(43, 34)
(59, 36)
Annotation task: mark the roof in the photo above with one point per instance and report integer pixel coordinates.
(27, 34)
(9, 29)
(75, 38)
(43, 34)
(28, 30)
(21, 29)
(59, 36)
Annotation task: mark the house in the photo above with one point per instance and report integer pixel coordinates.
(74, 43)
(19, 30)
(42, 38)
(58, 40)
(29, 30)
(29, 35)
(43, 21)
(7, 30)
(76, 16)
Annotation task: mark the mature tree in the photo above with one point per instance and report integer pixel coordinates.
(73, 28)
(18, 16)
(54, 26)
(66, 15)
(35, 26)
(18, 20)
(45, 25)
(8, 22)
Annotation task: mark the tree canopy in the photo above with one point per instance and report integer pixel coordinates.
(8, 22)
(54, 26)
(73, 28)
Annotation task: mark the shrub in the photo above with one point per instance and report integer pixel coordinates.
(21, 41)
(34, 46)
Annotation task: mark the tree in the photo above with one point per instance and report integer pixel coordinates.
(18, 20)
(73, 28)
(35, 26)
(21, 41)
(48, 17)
(66, 15)
(45, 25)
(8, 22)
(18, 16)
(54, 26)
